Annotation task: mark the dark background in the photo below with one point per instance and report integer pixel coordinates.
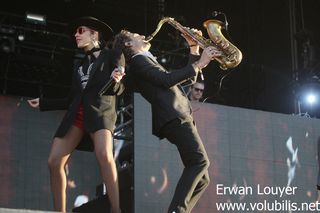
(278, 39)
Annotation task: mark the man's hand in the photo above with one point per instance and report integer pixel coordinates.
(194, 46)
(208, 54)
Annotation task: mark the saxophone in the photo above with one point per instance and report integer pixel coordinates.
(231, 56)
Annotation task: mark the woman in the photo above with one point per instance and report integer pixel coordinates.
(90, 113)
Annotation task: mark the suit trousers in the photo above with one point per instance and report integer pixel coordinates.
(195, 178)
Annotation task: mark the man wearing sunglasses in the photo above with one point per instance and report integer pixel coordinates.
(171, 111)
(91, 116)
(196, 91)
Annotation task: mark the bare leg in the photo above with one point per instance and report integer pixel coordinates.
(103, 146)
(60, 152)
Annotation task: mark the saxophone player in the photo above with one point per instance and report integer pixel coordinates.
(171, 111)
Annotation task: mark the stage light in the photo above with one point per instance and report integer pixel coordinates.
(21, 37)
(311, 98)
(36, 18)
(163, 60)
(7, 31)
(308, 93)
(7, 44)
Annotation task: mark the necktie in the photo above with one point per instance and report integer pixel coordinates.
(92, 58)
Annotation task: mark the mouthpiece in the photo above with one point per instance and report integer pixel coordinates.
(149, 38)
(121, 69)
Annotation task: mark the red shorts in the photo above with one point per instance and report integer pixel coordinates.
(78, 120)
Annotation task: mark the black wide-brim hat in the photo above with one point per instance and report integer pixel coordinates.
(93, 23)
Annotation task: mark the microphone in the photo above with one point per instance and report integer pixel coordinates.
(110, 82)
(120, 66)
(216, 13)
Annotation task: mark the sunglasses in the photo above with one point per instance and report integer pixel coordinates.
(81, 30)
(198, 89)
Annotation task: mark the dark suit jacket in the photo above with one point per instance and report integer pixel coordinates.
(162, 89)
(99, 112)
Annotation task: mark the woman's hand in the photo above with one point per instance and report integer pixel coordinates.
(117, 74)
